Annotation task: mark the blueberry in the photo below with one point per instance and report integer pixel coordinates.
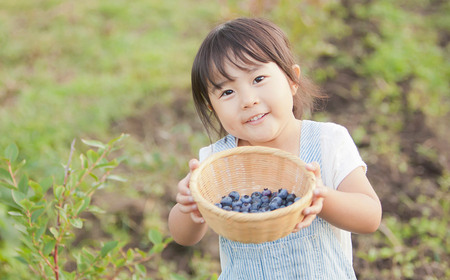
(297, 198)
(257, 200)
(236, 208)
(266, 192)
(276, 200)
(256, 195)
(264, 208)
(282, 193)
(291, 197)
(236, 203)
(274, 205)
(234, 195)
(245, 207)
(226, 201)
(218, 205)
(255, 205)
(245, 198)
(253, 211)
(265, 199)
(228, 208)
(265, 204)
(274, 194)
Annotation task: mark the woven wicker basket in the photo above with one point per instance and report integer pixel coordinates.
(248, 169)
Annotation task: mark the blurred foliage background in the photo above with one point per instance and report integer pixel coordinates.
(95, 69)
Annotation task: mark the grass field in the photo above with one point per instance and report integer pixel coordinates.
(96, 69)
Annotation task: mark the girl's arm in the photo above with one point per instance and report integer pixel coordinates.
(354, 206)
(186, 224)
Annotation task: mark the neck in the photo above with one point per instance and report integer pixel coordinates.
(289, 143)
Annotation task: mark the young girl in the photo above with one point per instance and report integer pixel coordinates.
(247, 87)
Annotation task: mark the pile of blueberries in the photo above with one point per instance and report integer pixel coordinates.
(257, 202)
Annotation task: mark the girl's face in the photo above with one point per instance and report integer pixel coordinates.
(255, 105)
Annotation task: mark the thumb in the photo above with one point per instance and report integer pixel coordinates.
(314, 167)
(193, 164)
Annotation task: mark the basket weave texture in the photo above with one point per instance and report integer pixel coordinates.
(246, 170)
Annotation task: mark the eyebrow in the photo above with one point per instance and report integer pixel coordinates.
(249, 70)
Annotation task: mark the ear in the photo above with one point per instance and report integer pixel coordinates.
(297, 72)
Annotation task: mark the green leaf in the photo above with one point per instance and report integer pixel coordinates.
(116, 178)
(21, 228)
(48, 247)
(4, 175)
(84, 162)
(94, 143)
(36, 214)
(77, 222)
(14, 213)
(21, 259)
(38, 191)
(108, 247)
(81, 205)
(155, 236)
(6, 185)
(18, 197)
(157, 248)
(41, 230)
(130, 255)
(58, 192)
(23, 184)
(11, 152)
(175, 276)
(93, 176)
(118, 139)
(54, 231)
(96, 209)
(26, 204)
(92, 156)
(111, 164)
(141, 269)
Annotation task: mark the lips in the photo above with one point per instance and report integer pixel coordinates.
(256, 118)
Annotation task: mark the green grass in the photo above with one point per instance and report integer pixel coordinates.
(70, 69)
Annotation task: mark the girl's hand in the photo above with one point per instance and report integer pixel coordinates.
(184, 197)
(319, 193)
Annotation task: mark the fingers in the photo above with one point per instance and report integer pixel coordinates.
(193, 164)
(186, 203)
(197, 217)
(311, 212)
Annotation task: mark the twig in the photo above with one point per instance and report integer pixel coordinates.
(398, 247)
(58, 219)
(12, 175)
(67, 169)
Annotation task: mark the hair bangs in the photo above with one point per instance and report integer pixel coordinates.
(234, 49)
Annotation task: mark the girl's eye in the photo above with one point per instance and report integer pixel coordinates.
(226, 92)
(258, 79)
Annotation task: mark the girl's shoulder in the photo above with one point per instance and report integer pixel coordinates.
(223, 144)
(326, 129)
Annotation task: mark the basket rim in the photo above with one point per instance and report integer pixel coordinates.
(244, 217)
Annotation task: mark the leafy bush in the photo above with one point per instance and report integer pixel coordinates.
(46, 215)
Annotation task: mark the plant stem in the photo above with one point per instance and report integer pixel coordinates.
(58, 219)
(12, 175)
(67, 170)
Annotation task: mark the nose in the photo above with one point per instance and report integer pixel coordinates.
(249, 98)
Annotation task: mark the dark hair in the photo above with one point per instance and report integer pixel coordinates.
(244, 40)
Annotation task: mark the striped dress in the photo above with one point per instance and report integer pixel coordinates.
(320, 251)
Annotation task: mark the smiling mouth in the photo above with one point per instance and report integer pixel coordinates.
(257, 117)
